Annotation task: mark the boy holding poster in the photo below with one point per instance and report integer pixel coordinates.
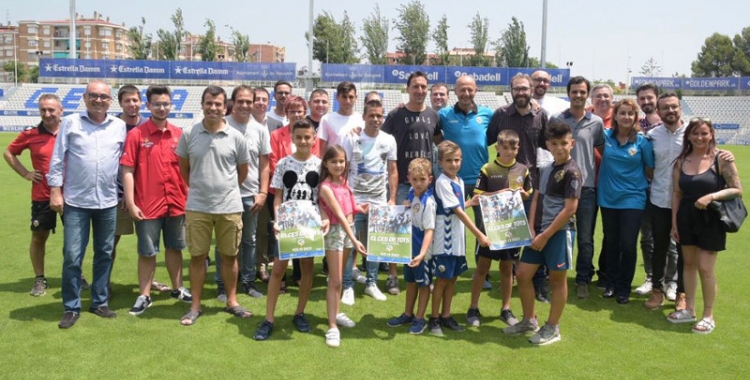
(449, 250)
(502, 174)
(296, 178)
(418, 273)
(555, 203)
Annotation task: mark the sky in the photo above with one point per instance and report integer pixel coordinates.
(603, 39)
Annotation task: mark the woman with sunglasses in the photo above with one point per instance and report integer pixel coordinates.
(700, 177)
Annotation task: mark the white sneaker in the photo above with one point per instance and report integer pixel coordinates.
(348, 297)
(333, 338)
(672, 291)
(374, 292)
(344, 321)
(645, 288)
(358, 277)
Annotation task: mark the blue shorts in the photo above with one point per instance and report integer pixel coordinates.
(449, 266)
(421, 275)
(173, 229)
(557, 254)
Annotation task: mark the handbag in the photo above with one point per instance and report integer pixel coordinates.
(732, 212)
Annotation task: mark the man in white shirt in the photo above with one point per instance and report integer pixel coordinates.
(335, 125)
(541, 81)
(281, 91)
(260, 107)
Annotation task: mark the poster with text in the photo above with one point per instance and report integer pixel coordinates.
(299, 230)
(505, 222)
(389, 234)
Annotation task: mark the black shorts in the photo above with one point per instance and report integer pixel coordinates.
(42, 217)
(700, 228)
(502, 255)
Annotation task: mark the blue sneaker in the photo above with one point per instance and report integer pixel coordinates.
(400, 320)
(418, 326)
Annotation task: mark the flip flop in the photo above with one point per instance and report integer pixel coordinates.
(705, 326)
(238, 311)
(682, 316)
(190, 317)
(158, 286)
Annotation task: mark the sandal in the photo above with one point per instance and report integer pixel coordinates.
(158, 286)
(682, 316)
(238, 311)
(190, 317)
(705, 326)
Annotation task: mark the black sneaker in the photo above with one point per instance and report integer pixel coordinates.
(472, 317)
(141, 304)
(451, 323)
(608, 293)
(221, 294)
(264, 330)
(507, 316)
(250, 289)
(435, 328)
(182, 294)
(301, 322)
(542, 296)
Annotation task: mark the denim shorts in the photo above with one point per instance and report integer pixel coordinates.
(336, 239)
(148, 231)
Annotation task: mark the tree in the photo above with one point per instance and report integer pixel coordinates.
(479, 28)
(720, 58)
(208, 48)
(140, 43)
(375, 37)
(334, 42)
(651, 68)
(165, 48)
(241, 45)
(349, 47)
(512, 49)
(23, 71)
(535, 62)
(440, 36)
(413, 25)
(179, 31)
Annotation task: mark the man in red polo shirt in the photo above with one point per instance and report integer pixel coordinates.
(40, 141)
(155, 195)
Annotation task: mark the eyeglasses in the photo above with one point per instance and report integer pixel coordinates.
(161, 105)
(520, 89)
(102, 97)
(541, 80)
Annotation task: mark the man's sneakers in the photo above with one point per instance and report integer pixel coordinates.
(347, 298)
(221, 294)
(548, 334)
(344, 321)
(264, 330)
(40, 287)
(358, 277)
(451, 323)
(300, 321)
(374, 292)
(251, 290)
(522, 327)
(582, 291)
(69, 319)
(671, 291)
(333, 338)
(400, 320)
(645, 288)
(542, 296)
(103, 311)
(391, 285)
(141, 304)
(182, 294)
(473, 317)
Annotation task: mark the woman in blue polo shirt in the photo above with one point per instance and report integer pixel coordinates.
(627, 161)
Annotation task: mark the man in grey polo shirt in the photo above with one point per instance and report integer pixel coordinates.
(588, 133)
(213, 163)
(254, 190)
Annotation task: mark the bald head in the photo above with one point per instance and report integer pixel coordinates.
(540, 81)
(98, 97)
(466, 89)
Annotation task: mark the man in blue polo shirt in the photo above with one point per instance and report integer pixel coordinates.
(466, 125)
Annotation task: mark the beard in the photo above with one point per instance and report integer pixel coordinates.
(521, 101)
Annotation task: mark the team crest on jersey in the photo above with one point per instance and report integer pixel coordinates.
(559, 175)
(519, 181)
(417, 207)
(478, 119)
(632, 151)
(441, 268)
(147, 143)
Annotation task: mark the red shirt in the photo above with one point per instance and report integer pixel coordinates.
(281, 146)
(159, 188)
(41, 143)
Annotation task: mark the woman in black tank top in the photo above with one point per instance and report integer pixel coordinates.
(701, 176)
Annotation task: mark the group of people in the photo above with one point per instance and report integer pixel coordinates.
(654, 175)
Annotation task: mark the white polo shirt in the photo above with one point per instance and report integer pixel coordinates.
(667, 146)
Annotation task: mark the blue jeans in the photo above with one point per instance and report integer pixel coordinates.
(585, 221)
(78, 223)
(360, 230)
(247, 246)
(621, 253)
